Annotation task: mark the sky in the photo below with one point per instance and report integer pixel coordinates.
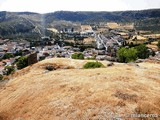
(45, 6)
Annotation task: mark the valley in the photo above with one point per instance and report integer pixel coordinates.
(80, 65)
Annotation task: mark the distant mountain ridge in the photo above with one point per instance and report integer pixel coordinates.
(84, 16)
(25, 24)
(110, 16)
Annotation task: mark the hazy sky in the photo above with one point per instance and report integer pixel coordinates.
(44, 6)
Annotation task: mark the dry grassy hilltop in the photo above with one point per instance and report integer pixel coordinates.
(73, 93)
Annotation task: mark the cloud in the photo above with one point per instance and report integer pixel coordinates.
(1, 2)
(43, 6)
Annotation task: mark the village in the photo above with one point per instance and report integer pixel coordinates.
(98, 42)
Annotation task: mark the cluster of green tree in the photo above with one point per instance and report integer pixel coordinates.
(8, 70)
(96, 64)
(11, 55)
(77, 56)
(142, 51)
(8, 55)
(131, 54)
(127, 54)
(22, 62)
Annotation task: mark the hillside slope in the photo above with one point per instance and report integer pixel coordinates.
(33, 25)
(20, 25)
(73, 93)
(117, 16)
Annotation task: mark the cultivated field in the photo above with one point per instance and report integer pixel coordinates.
(126, 26)
(86, 27)
(89, 40)
(113, 25)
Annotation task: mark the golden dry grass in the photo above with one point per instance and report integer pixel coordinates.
(153, 47)
(140, 38)
(154, 43)
(89, 40)
(86, 27)
(152, 35)
(72, 93)
(113, 25)
(127, 26)
(123, 33)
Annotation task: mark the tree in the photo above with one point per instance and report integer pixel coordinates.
(8, 70)
(127, 55)
(158, 45)
(8, 55)
(22, 62)
(142, 51)
(18, 53)
(131, 55)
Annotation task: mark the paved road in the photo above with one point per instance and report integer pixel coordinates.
(104, 42)
(101, 41)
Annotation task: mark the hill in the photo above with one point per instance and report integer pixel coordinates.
(33, 25)
(74, 93)
(105, 16)
(20, 25)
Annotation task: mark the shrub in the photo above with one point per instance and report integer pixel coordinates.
(49, 68)
(78, 56)
(127, 55)
(8, 70)
(22, 62)
(110, 64)
(93, 65)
